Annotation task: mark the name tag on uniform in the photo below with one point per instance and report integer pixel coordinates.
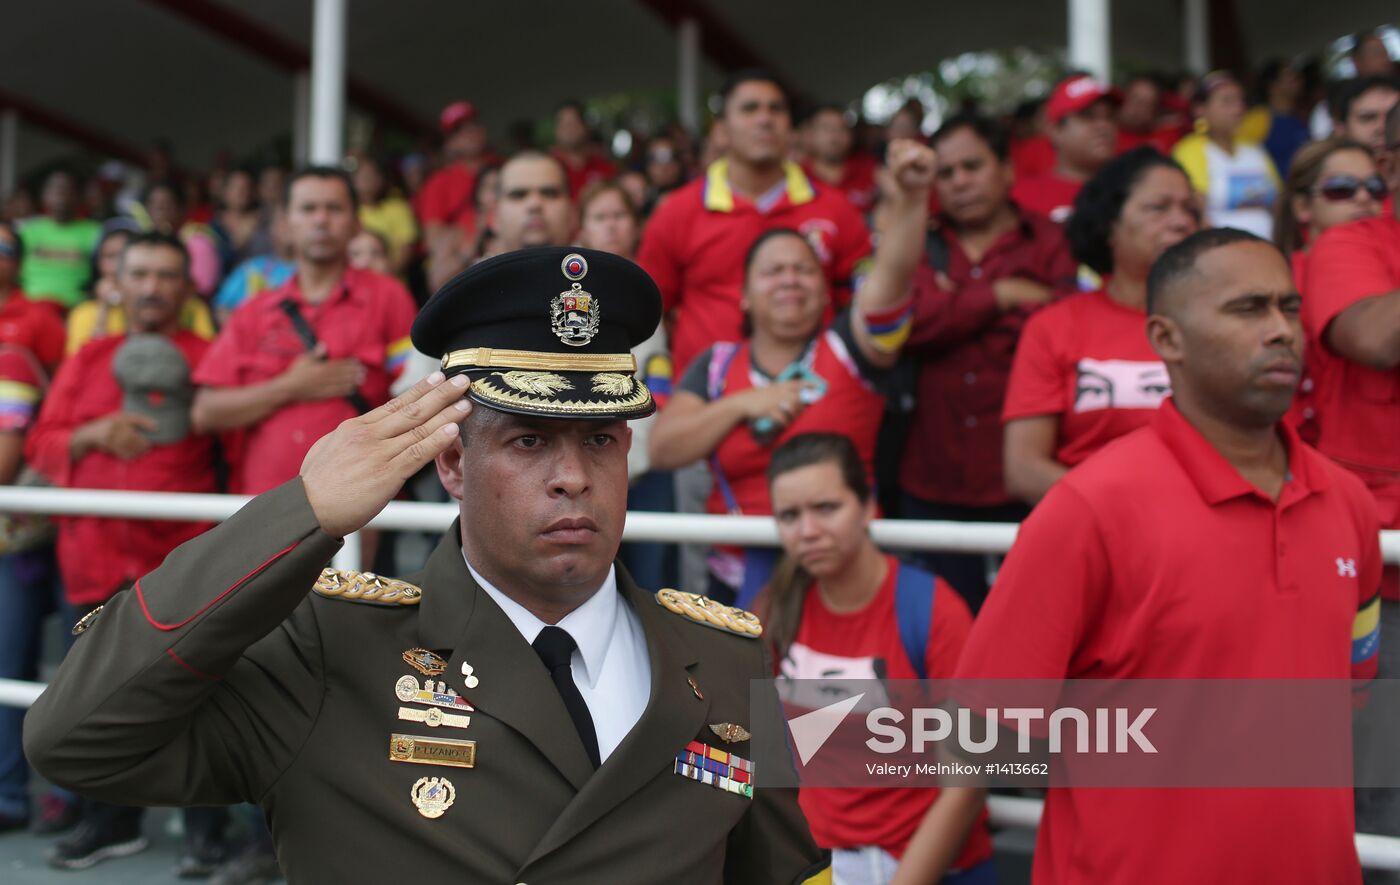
(715, 767)
(432, 751)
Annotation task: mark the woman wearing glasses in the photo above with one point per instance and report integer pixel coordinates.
(1330, 183)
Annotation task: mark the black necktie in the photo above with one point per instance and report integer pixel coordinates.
(556, 647)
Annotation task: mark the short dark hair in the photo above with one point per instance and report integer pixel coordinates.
(165, 184)
(158, 240)
(322, 172)
(13, 230)
(826, 107)
(982, 126)
(749, 75)
(1101, 200)
(1181, 258)
(772, 233)
(571, 104)
(533, 154)
(1348, 91)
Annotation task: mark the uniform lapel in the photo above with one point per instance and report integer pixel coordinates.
(673, 717)
(514, 687)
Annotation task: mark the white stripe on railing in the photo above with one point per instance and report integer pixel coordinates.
(1376, 852)
(754, 531)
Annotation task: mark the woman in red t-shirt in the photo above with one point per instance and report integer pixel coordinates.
(1329, 183)
(792, 375)
(831, 614)
(1084, 373)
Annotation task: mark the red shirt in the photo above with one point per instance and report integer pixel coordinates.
(695, 242)
(1048, 194)
(446, 197)
(1209, 580)
(367, 318)
(1086, 360)
(1163, 139)
(35, 326)
(865, 644)
(594, 168)
(857, 180)
(965, 345)
(850, 406)
(1033, 157)
(97, 555)
(1358, 408)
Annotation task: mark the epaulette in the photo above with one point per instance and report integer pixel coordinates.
(706, 611)
(366, 587)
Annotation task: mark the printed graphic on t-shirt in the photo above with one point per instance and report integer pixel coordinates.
(824, 679)
(1119, 384)
(821, 235)
(1249, 190)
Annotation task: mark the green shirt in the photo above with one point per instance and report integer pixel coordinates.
(57, 258)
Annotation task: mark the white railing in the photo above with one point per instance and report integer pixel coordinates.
(1376, 852)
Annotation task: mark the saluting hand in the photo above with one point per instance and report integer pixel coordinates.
(356, 469)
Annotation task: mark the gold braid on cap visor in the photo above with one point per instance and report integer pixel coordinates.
(493, 358)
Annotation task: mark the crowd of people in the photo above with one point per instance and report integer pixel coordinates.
(167, 332)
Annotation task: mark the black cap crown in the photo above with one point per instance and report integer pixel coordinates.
(546, 331)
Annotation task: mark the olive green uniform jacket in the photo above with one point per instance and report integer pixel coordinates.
(219, 679)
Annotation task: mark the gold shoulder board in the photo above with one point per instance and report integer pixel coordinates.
(706, 611)
(366, 587)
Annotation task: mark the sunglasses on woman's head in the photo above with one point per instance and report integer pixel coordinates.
(1344, 187)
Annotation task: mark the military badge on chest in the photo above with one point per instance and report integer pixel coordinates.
(442, 709)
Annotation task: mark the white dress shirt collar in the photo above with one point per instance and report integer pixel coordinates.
(591, 624)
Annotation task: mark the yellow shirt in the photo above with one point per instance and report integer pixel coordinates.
(82, 323)
(392, 219)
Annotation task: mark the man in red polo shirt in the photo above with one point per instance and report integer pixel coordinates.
(1083, 129)
(992, 264)
(695, 243)
(1211, 544)
(295, 361)
(117, 417)
(831, 161)
(446, 211)
(575, 149)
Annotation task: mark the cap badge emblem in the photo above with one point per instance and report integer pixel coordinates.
(574, 266)
(574, 316)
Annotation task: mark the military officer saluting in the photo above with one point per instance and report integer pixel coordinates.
(519, 711)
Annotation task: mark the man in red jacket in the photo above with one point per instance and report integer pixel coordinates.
(118, 417)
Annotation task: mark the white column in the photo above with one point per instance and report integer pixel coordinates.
(9, 150)
(1089, 37)
(328, 82)
(688, 74)
(1195, 25)
(301, 118)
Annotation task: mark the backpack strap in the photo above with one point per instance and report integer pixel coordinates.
(721, 355)
(913, 610)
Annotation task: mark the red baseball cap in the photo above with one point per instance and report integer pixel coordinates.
(455, 115)
(1074, 94)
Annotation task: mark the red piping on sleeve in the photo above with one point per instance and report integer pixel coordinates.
(141, 597)
(183, 663)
